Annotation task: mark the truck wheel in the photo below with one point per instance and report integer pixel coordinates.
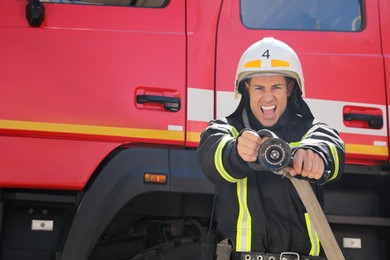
(186, 248)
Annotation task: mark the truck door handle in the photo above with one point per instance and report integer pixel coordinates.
(374, 121)
(35, 13)
(170, 103)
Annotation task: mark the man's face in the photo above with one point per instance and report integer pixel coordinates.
(268, 98)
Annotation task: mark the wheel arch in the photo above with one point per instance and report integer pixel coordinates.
(120, 180)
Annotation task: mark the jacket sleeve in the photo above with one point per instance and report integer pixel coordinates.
(218, 156)
(326, 142)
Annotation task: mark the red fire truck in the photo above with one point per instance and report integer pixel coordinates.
(102, 103)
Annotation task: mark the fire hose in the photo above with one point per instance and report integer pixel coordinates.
(275, 155)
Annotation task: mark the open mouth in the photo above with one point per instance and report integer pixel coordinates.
(268, 110)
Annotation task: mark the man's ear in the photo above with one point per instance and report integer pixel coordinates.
(290, 87)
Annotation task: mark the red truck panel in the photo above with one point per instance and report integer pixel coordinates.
(45, 163)
(202, 23)
(76, 78)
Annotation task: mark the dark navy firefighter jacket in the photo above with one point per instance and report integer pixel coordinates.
(261, 211)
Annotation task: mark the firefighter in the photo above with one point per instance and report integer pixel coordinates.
(259, 212)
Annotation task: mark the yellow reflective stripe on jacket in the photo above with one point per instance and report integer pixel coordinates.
(218, 153)
(244, 221)
(314, 240)
(219, 162)
(233, 131)
(294, 144)
(335, 156)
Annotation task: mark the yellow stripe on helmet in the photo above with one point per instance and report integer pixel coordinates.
(280, 63)
(253, 64)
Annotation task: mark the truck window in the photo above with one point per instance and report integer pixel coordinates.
(319, 15)
(139, 3)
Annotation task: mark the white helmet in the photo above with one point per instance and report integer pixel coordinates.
(269, 56)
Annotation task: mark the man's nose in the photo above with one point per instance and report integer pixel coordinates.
(268, 94)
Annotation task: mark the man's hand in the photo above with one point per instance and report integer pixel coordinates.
(308, 164)
(248, 144)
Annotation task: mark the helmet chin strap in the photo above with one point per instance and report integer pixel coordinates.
(245, 118)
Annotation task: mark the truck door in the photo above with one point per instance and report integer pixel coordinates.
(87, 77)
(339, 45)
(384, 14)
(98, 69)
